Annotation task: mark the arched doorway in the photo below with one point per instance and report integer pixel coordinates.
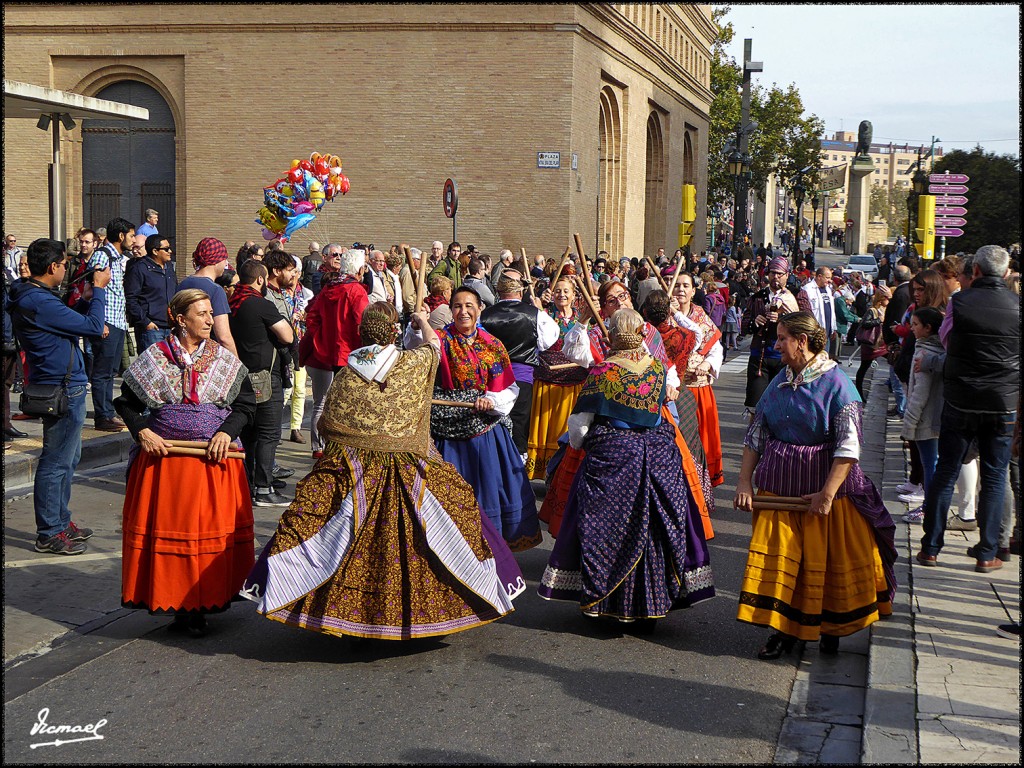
(128, 167)
(654, 205)
(688, 167)
(609, 207)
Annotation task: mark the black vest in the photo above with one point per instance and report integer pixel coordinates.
(514, 323)
(982, 371)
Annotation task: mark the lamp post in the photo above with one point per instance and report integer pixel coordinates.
(737, 168)
(798, 199)
(814, 220)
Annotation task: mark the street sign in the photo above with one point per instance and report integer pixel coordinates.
(952, 210)
(947, 189)
(950, 200)
(849, 222)
(949, 221)
(948, 232)
(948, 178)
(549, 159)
(832, 178)
(450, 198)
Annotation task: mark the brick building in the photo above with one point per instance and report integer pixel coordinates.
(406, 95)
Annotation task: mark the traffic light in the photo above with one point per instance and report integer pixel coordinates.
(924, 233)
(689, 214)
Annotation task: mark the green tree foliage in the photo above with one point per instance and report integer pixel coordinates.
(993, 202)
(785, 141)
(878, 204)
(889, 205)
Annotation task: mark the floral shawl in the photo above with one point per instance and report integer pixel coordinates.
(165, 374)
(478, 363)
(629, 386)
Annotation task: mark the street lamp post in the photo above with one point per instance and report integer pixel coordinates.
(814, 220)
(798, 199)
(737, 167)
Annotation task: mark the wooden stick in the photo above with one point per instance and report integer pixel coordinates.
(526, 270)
(782, 499)
(675, 276)
(593, 307)
(188, 443)
(563, 366)
(453, 403)
(561, 266)
(780, 507)
(408, 260)
(177, 451)
(421, 283)
(584, 268)
(657, 274)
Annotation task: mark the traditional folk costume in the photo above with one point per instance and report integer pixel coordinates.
(187, 537)
(384, 538)
(480, 444)
(630, 546)
(554, 395)
(809, 575)
(708, 349)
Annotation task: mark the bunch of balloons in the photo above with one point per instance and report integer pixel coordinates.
(291, 202)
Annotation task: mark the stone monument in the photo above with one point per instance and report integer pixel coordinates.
(858, 202)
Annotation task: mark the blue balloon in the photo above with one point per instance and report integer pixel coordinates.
(295, 223)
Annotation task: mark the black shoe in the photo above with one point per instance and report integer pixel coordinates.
(777, 645)
(278, 485)
(14, 432)
(196, 625)
(180, 623)
(271, 499)
(282, 472)
(829, 645)
(77, 534)
(60, 544)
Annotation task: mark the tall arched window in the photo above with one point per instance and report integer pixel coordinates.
(611, 210)
(655, 198)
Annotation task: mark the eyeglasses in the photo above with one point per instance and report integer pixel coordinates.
(168, 248)
(617, 298)
(775, 272)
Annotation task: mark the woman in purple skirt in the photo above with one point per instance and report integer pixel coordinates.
(631, 546)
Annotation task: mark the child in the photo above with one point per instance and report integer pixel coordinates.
(869, 334)
(924, 397)
(732, 324)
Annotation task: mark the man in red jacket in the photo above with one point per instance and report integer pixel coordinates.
(332, 331)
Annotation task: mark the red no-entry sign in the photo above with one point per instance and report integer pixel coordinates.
(450, 198)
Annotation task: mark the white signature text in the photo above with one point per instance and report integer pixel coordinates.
(42, 728)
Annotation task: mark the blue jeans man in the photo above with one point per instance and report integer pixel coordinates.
(62, 449)
(106, 355)
(994, 433)
(898, 394)
(145, 338)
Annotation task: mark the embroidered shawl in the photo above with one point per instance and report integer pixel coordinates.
(480, 362)
(709, 336)
(630, 386)
(165, 374)
(554, 355)
(679, 343)
(600, 346)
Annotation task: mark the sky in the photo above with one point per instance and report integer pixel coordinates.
(914, 71)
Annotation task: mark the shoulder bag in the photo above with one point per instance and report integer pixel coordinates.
(261, 381)
(48, 399)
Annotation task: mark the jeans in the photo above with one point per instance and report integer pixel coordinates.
(62, 448)
(897, 392)
(994, 432)
(260, 439)
(928, 450)
(145, 339)
(106, 355)
(321, 383)
(297, 400)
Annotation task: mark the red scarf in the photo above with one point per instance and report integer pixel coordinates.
(242, 292)
(433, 302)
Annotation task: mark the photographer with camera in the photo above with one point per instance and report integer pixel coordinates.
(48, 332)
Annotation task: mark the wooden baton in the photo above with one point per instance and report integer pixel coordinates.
(657, 274)
(593, 308)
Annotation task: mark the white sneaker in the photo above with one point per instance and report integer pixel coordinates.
(909, 487)
(914, 516)
(911, 498)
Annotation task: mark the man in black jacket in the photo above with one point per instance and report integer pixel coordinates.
(149, 286)
(894, 316)
(981, 386)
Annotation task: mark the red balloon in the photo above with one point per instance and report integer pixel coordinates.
(321, 167)
(295, 175)
(306, 165)
(345, 186)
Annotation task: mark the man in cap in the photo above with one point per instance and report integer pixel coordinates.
(760, 319)
(210, 258)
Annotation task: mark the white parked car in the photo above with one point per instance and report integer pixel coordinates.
(862, 263)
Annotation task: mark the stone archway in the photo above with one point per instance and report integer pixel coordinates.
(655, 198)
(610, 213)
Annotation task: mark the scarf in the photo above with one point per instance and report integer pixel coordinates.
(373, 362)
(433, 302)
(819, 364)
(241, 294)
(165, 374)
(480, 362)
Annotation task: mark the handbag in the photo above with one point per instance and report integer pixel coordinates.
(261, 383)
(47, 399)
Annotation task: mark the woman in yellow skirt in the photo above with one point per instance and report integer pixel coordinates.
(554, 390)
(826, 572)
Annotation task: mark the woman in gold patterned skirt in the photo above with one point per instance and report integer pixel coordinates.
(384, 539)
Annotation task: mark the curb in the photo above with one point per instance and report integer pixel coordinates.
(20, 469)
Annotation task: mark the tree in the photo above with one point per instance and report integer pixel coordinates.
(878, 205)
(785, 140)
(993, 207)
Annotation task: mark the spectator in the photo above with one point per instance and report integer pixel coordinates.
(331, 263)
(437, 302)
(332, 331)
(537, 272)
(11, 360)
(504, 261)
(48, 331)
(450, 266)
(311, 265)
(897, 307)
(210, 259)
(981, 379)
(263, 337)
(107, 347)
(149, 286)
(149, 226)
(12, 256)
(228, 280)
(295, 400)
(436, 252)
(407, 282)
(477, 282)
(283, 290)
(394, 263)
(818, 299)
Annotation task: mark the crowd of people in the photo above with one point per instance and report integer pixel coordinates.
(444, 382)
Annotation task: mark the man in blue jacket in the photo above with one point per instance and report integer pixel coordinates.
(48, 332)
(149, 286)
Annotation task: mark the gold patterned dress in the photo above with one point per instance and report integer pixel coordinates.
(384, 538)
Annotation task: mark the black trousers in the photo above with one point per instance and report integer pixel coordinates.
(520, 416)
(757, 384)
(260, 439)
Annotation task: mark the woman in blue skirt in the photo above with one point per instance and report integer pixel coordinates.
(475, 369)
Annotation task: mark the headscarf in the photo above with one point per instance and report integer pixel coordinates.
(209, 251)
(240, 294)
(778, 264)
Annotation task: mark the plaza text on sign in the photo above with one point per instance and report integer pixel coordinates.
(549, 159)
(949, 178)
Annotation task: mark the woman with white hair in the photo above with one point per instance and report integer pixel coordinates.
(627, 547)
(332, 331)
